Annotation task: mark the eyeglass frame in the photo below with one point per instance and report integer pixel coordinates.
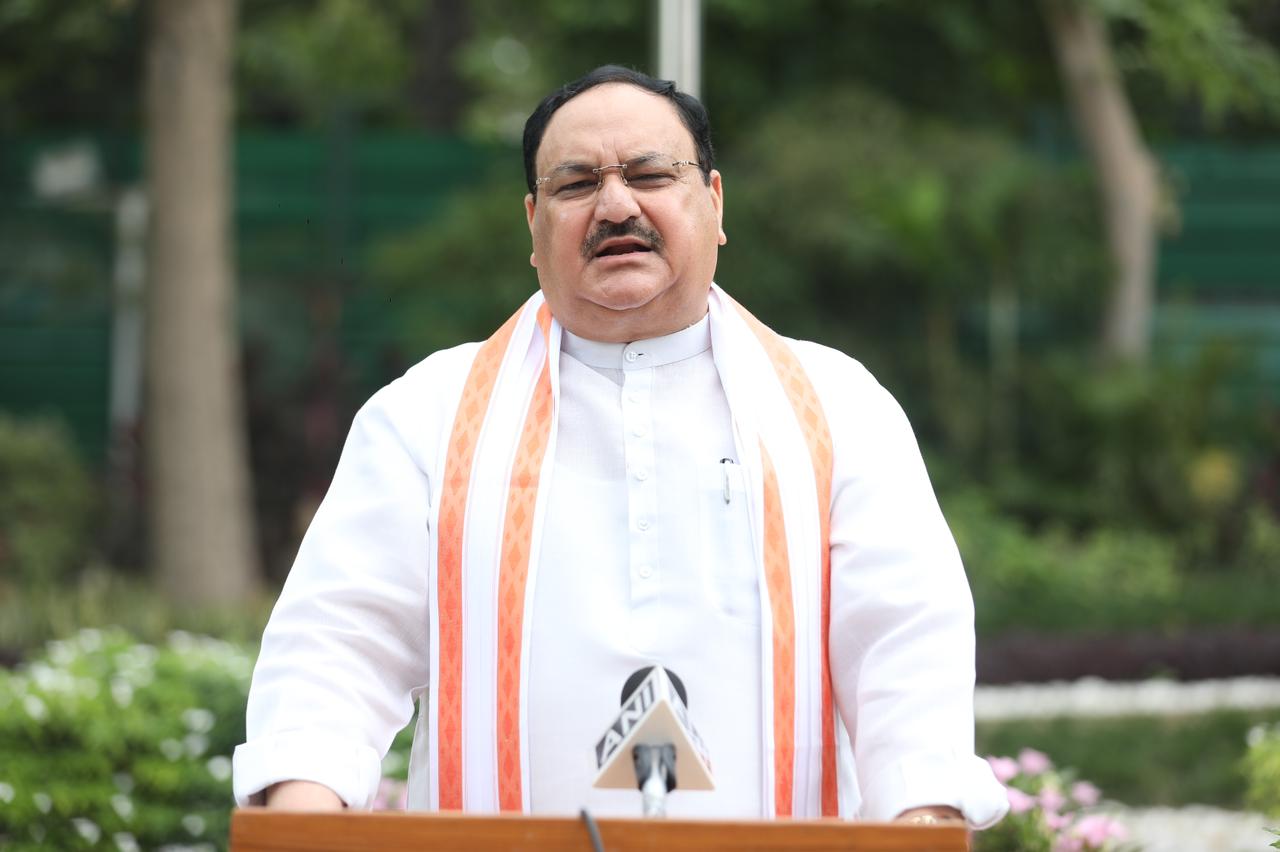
(622, 172)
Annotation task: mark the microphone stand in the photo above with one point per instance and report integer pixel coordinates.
(655, 776)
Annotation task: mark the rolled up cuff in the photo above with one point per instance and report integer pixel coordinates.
(963, 782)
(350, 769)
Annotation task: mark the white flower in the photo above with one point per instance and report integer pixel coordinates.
(125, 842)
(121, 692)
(122, 805)
(88, 829)
(123, 781)
(44, 802)
(171, 749)
(219, 767)
(90, 639)
(197, 744)
(6, 792)
(182, 641)
(61, 652)
(137, 664)
(35, 707)
(198, 720)
(194, 824)
(44, 676)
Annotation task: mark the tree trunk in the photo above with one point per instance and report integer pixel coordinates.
(1126, 171)
(198, 492)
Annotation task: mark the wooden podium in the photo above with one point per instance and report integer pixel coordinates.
(262, 830)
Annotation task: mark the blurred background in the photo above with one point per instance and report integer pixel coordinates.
(1051, 229)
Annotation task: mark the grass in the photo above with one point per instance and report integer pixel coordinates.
(1142, 760)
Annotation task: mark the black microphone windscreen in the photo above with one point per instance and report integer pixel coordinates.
(638, 676)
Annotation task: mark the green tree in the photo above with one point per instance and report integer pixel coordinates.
(69, 64)
(1202, 50)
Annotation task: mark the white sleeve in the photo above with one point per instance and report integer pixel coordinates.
(902, 637)
(347, 643)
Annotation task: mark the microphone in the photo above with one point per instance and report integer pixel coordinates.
(653, 729)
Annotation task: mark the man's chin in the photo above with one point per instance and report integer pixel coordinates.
(626, 293)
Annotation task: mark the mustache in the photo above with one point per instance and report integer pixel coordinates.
(612, 230)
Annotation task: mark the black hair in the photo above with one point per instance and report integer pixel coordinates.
(691, 111)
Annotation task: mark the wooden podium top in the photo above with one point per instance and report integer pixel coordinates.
(262, 830)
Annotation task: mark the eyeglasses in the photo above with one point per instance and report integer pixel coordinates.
(578, 182)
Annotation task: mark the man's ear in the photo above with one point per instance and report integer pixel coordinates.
(717, 201)
(530, 207)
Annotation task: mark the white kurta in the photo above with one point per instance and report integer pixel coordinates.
(652, 564)
(646, 557)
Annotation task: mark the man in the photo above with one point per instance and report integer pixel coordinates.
(633, 470)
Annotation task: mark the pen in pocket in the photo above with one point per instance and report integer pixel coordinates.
(728, 492)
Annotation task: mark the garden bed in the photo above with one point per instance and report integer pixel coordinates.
(1193, 655)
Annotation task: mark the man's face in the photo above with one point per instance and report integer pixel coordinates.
(624, 262)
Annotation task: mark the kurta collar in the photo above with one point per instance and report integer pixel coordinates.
(640, 354)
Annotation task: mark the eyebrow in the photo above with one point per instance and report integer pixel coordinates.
(577, 167)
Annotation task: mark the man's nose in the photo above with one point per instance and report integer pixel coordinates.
(615, 202)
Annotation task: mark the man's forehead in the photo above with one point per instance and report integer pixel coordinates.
(617, 121)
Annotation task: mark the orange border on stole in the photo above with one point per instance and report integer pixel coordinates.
(472, 408)
(513, 572)
(817, 434)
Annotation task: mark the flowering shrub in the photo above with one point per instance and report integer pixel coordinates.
(1049, 811)
(1262, 767)
(108, 743)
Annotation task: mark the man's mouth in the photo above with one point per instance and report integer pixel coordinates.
(613, 248)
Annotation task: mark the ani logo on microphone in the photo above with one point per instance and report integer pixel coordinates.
(653, 714)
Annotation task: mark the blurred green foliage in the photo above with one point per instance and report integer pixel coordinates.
(82, 50)
(99, 597)
(315, 58)
(47, 505)
(1054, 581)
(1262, 770)
(898, 185)
(1204, 50)
(110, 743)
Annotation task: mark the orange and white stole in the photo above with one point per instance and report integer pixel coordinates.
(487, 533)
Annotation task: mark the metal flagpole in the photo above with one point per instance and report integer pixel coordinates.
(680, 44)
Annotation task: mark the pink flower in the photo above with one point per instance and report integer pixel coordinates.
(1003, 767)
(1095, 830)
(1019, 802)
(1085, 793)
(1056, 821)
(1068, 844)
(392, 795)
(1051, 799)
(1034, 762)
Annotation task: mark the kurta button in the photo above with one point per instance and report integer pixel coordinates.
(631, 356)
(642, 474)
(638, 431)
(645, 572)
(643, 524)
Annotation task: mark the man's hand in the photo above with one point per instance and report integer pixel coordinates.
(302, 796)
(931, 815)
